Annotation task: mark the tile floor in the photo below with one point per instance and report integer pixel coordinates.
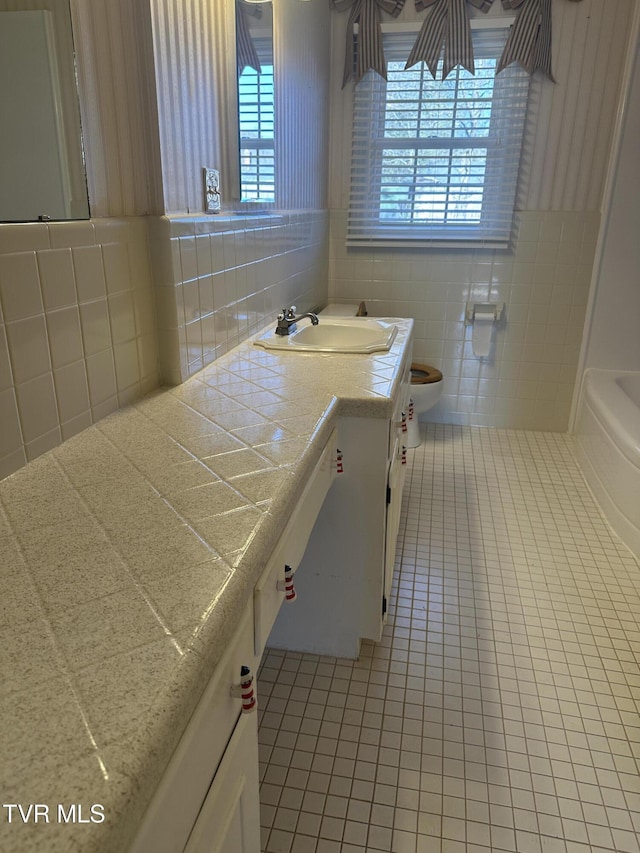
(500, 710)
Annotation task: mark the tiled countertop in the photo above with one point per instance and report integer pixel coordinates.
(127, 556)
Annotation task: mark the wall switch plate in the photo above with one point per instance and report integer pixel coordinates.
(211, 190)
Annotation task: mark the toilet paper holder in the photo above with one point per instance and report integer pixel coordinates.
(483, 308)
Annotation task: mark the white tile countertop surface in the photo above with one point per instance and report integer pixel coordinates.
(127, 556)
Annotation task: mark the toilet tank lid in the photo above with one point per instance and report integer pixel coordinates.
(337, 310)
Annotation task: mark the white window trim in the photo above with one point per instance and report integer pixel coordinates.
(447, 236)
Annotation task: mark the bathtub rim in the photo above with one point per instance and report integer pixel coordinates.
(617, 520)
(614, 410)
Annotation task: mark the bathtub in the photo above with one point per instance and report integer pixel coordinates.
(608, 448)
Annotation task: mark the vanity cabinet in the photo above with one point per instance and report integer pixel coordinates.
(339, 545)
(344, 579)
(208, 799)
(397, 466)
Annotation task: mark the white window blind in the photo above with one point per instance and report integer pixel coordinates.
(437, 160)
(256, 126)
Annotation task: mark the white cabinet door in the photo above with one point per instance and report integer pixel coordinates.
(229, 820)
(395, 485)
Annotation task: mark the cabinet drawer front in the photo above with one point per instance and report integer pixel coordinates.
(267, 598)
(179, 797)
(291, 546)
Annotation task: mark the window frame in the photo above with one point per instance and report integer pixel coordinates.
(366, 225)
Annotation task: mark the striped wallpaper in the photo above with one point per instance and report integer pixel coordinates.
(573, 134)
(569, 132)
(151, 76)
(569, 142)
(115, 71)
(302, 103)
(189, 62)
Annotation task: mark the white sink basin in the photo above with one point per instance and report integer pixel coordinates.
(338, 334)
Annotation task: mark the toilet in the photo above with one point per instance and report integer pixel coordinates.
(426, 381)
(426, 390)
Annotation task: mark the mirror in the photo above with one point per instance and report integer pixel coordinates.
(255, 101)
(42, 172)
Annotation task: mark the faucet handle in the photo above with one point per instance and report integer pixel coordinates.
(291, 312)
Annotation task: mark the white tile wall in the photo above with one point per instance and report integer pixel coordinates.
(527, 380)
(220, 279)
(77, 330)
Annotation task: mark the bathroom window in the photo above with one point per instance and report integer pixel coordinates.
(256, 127)
(436, 161)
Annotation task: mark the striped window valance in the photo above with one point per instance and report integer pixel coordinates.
(447, 26)
(529, 41)
(363, 51)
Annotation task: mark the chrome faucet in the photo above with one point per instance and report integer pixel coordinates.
(287, 320)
